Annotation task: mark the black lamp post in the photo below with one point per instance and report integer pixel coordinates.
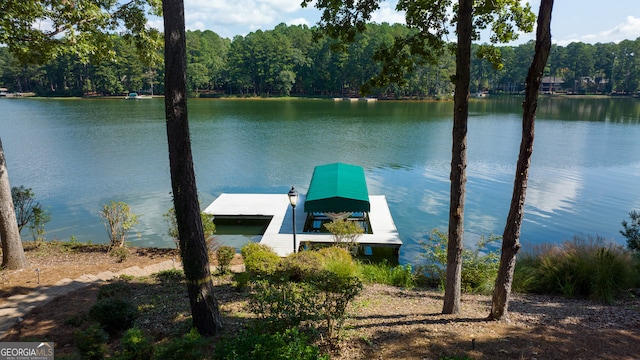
(293, 200)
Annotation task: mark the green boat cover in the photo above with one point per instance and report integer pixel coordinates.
(337, 188)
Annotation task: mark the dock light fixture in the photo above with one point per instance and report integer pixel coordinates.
(293, 200)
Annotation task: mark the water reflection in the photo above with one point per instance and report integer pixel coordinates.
(557, 191)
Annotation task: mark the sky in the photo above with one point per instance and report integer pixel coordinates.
(588, 21)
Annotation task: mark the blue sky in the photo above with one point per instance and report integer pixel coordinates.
(589, 21)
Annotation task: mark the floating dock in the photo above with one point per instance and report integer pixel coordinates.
(279, 232)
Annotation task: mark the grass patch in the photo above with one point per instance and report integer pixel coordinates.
(383, 273)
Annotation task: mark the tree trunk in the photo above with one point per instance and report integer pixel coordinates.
(195, 259)
(12, 252)
(459, 159)
(511, 235)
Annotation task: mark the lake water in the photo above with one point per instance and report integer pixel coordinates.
(79, 154)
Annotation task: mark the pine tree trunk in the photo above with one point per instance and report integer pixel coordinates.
(12, 252)
(511, 235)
(459, 159)
(195, 259)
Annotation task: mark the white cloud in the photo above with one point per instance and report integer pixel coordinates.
(229, 18)
(387, 13)
(298, 21)
(630, 29)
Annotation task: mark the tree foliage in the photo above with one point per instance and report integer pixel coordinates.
(304, 66)
(36, 31)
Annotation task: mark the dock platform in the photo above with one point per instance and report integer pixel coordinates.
(279, 233)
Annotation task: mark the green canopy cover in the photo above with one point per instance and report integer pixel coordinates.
(337, 188)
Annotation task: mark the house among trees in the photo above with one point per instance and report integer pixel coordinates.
(551, 84)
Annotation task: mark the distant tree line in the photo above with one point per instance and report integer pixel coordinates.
(289, 60)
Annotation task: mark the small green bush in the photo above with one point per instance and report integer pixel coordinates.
(300, 265)
(345, 232)
(170, 276)
(308, 287)
(290, 345)
(224, 255)
(119, 289)
(92, 342)
(76, 320)
(114, 314)
(260, 260)
(335, 292)
(191, 346)
(135, 346)
(120, 254)
(241, 280)
(282, 305)
(339, 261)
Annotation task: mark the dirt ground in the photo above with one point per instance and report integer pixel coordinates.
(384, 323)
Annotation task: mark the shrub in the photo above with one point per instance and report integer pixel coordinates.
(114, 314)
(224, 255)
(281, 305)
(335, 292)
(135, 346)
(479, 266)
(327, 287)
(118, 219)
(339, 261)
(119, 289)
(259, 260)
(92, 342)
(345, 232)
(191, 346)
(300, 265)
(290, 345)
(120, 254)
(36, 226)
(171, 275)
(241, 280)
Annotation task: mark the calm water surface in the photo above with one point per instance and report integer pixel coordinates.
(80, 154)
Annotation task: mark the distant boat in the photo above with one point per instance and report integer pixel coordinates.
(482, 94)
(136, 96)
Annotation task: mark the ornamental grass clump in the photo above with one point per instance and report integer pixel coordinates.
(585, 268)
